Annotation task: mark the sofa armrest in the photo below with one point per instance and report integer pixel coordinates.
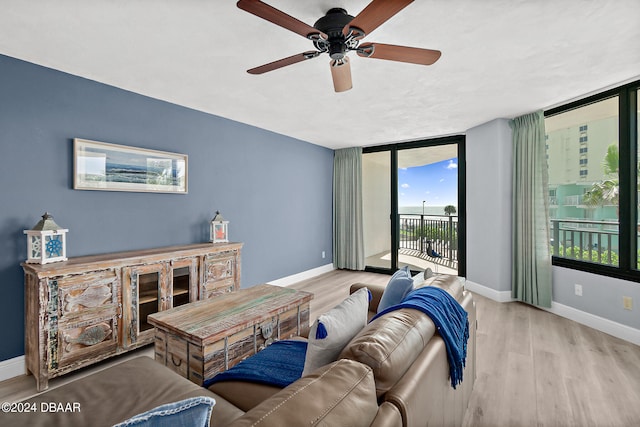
(428, 376)
(376, 293)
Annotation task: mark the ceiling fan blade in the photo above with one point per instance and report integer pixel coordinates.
(391, 52)
(294, 59)
(375, 14)
(280, 18)
(341, 74)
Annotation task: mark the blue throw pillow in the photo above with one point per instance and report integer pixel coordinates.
(398, 287)
(191, 412)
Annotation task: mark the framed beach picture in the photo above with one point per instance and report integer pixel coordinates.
(112, 167)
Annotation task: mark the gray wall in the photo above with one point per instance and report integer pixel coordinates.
(275, 191)
(488, 151)
(489, 233)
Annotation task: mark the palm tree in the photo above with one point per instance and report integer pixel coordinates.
(449, 210)
(606, 191)
(611, 161)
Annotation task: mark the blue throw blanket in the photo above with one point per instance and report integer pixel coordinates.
(280, 364)
(451, 321)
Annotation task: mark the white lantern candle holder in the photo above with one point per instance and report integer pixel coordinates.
(46, 242)
(219, 231)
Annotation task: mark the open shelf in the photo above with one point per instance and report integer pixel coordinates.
(148, 296)
(180, 291)
(181, 285)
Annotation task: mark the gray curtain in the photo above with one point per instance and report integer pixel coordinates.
(348, 246)
(531, 260)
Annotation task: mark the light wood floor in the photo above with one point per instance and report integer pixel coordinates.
(533, 367)
(538, 369)
(331, 288)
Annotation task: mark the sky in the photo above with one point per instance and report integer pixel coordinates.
(437, 183)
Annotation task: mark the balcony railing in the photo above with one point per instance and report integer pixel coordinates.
(416, 231)
(573, 200)
(595, 241)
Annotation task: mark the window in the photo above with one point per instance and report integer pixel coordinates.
(636, 178)
(594, 219)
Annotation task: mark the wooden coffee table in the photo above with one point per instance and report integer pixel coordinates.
(200, 339)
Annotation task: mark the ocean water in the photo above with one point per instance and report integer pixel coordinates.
(147, 174)
(417, 210)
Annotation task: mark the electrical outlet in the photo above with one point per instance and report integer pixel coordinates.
(627, 303)
(578, 289)
(323, 254)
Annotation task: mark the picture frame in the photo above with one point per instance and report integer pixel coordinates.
(114, 167)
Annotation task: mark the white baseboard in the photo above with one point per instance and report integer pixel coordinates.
(601, 324)
(607, 326)
(12, 368)
(485, 291)
(290, 280)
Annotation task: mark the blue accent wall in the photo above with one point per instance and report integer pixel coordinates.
(275, 191)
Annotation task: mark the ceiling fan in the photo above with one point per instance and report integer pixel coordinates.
(337, 33)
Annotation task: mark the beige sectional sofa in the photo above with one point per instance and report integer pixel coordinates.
(393, 373)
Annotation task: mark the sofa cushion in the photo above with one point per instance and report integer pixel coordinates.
(398, 287)
(190, 412)
(339, 394)
(334, 329)
(449, 283)
(390, 344)
(243, 395)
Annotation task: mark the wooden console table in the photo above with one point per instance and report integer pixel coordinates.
(89, 308)
(202, 338)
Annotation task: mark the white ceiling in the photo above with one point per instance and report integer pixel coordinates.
(500, 58)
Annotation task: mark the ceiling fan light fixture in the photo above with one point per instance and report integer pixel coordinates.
(337, 50)
(341, 74)
(337, 33)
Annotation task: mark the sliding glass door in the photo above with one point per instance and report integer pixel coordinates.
(376, 207)
(414, 206)
(428, 208)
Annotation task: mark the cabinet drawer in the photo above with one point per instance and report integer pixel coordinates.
(86, 294)
(213, 289)
(83, 340)
(220, 266)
